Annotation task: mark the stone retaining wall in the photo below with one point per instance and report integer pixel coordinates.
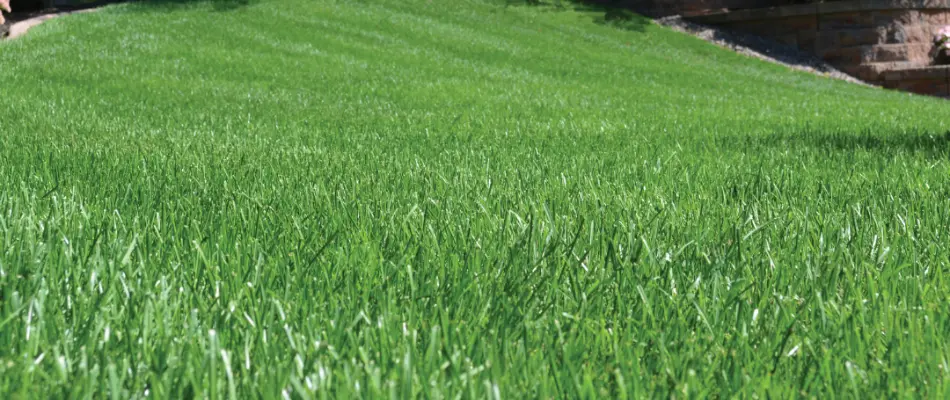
(864, 38)
(934, 80)
(664, 8)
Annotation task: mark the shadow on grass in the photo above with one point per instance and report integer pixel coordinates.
(217, 5)
(614, 16)
(933, 145)
(635, 15)
(606, 13)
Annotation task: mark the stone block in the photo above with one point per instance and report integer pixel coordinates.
(826, 40)
(933, 87)
(889, 53)
(920, 52)
(934, 17)
(788, 11)
(894, 33)
(790, 40)
(845, 56)
(775, 28)
(890, 84)
(885, 42)
(920, 33)
(807, 41)
(867, 72)
(849, 20)
(870, 5)
(941, 72)
(835, 7)
(754, 27)
(859, 37)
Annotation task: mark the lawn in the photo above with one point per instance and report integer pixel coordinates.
(338, 199)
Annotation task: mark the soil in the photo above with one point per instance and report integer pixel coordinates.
(16, 17)
(17, 23)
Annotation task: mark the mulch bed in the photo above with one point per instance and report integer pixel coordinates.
(17, 16)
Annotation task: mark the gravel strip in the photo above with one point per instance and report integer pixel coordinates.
(758, 47)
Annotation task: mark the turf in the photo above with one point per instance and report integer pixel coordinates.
(313, 199)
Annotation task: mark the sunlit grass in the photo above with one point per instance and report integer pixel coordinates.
(409, 198)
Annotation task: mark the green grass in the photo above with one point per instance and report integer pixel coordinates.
(313, 199)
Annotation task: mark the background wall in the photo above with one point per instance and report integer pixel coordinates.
(662, 8)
